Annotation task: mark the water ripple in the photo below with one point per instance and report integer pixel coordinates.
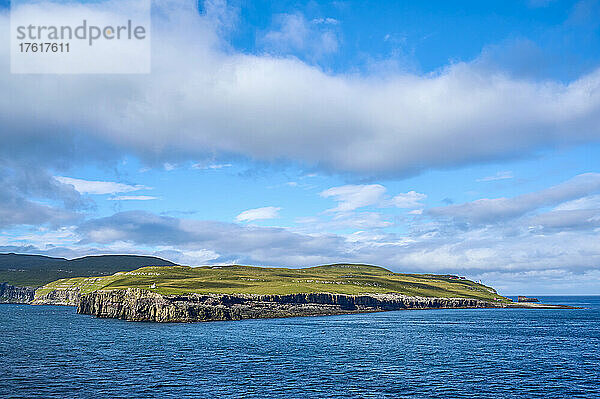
(51, 352)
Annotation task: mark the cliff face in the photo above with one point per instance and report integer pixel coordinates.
(12, 294)
(64, 297)
(141, 305)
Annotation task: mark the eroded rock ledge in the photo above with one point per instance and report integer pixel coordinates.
(62, 297)
(142, 305)
(13, 294)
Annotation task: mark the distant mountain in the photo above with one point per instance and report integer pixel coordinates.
(22, 261)
(38, 270)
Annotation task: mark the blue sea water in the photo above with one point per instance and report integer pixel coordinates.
(48, 351)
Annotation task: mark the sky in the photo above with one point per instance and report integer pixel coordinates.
(424, 137)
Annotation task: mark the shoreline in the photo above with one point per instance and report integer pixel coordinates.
(142, 305)
(134, 304)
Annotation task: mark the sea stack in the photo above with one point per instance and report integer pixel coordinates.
(527, 299)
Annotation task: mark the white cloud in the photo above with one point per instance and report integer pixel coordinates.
(580, 219)
(211, 166)
(99, 187)
(343, 221)
(410, 199)
(495, 210)
(498, 176)
(293, 33)
(351, 197)
(192, 258)
(326, 21)
(267, 212)
(589, 202)
(547, 282)
(354, 196)
(133, 198)
(169, 166)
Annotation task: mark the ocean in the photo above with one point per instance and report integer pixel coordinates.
(52, 352)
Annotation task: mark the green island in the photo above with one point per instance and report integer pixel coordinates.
(139, 288)
(349, 279)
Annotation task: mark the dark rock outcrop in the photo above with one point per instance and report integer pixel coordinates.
(141, 305)
(527, 299)
(13, 294)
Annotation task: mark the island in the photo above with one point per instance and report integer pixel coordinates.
(146, 288)
(235, 292)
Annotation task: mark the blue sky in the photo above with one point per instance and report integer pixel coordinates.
(430, 136)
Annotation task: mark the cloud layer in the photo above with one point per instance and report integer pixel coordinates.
(495, 210)
(550, 235)
(353, 196)
(30, 196)
(98, 187)
(268, 108)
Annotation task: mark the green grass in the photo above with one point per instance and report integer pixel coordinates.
(341, 279)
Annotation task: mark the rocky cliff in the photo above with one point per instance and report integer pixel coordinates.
(141, 305)
(64, 297)
(12, 294)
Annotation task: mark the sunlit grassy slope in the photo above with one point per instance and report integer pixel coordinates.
(342, 279)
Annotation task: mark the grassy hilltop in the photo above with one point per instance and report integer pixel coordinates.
(341, 279)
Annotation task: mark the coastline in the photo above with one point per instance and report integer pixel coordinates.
(141, 305)
(134, 304)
